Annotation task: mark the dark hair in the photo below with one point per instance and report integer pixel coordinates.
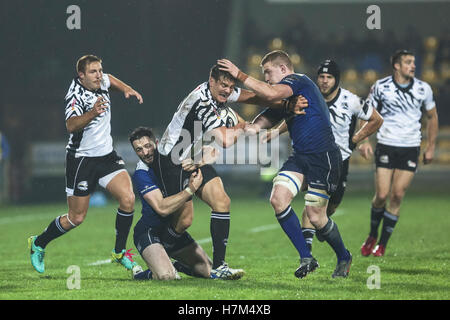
(86, 60)
(396, 57)
(140, 132)
(279, 55)
(216, 73)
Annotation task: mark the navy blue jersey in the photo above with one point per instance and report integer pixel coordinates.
(145, 180)
(312, 132)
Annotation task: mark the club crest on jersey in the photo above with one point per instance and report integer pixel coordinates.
(82, 185)
(421, 90)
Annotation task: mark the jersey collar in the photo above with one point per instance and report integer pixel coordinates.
(331, 102)
(99, 91)
(401, 88)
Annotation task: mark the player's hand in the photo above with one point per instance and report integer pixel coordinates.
(227, 65)
(100, 106)
(297, 104)
(131, 92)
(209, 156)
(365, 150)
(251, 129)
(195, 180)
(269, 135)
(428, 156)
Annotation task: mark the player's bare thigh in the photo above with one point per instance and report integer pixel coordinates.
(157, 260)
(183, 217)
(383, 180)
(281, 196)
(213, 193)
(196, 258)
(400, 183)
(121, 189)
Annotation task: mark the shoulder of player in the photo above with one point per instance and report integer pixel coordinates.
(141, 168)
(384, 81)
(200, 93)
(421, 83)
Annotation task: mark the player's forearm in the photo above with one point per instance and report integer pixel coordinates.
(78, 123)
(171, 204)
(368, 128)
(118, 84)
(250, 97)
(263, 90)
(432, 131)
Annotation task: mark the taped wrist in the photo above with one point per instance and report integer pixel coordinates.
(242, 76)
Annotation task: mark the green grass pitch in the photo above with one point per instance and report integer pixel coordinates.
(416, 264)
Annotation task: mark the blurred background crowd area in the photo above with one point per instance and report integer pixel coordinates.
(164, 49)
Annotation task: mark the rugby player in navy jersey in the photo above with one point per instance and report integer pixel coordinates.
(158, 212)
(316, 161)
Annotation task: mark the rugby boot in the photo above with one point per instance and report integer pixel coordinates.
(379, 250)
(307, 265)
(36, 254)
(367, 246)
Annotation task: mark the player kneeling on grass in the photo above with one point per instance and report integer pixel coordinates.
(159, 213)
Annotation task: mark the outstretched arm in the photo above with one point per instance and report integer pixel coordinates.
(270, 93)
(123, 87)
(294, 104)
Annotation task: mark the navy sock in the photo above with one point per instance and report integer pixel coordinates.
(144, 275)
(308, 234)
(290, 224)
(220, 229)
(53, 231)
(330, 233)
(389, 221)
(123, 225)
(376, 215)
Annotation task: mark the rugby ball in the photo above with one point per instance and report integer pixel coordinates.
(229, 117)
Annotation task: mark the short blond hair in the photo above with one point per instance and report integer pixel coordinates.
(86, 60)
(278, 57)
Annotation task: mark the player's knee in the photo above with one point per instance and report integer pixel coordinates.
(397, 196)
(127, 201)
(381, 198)
(278, 202)
(165, 276)
(75, 219)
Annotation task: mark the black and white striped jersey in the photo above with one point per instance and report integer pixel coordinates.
(345, 109)
(401, 109)
(95, 139)
(197, 114)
